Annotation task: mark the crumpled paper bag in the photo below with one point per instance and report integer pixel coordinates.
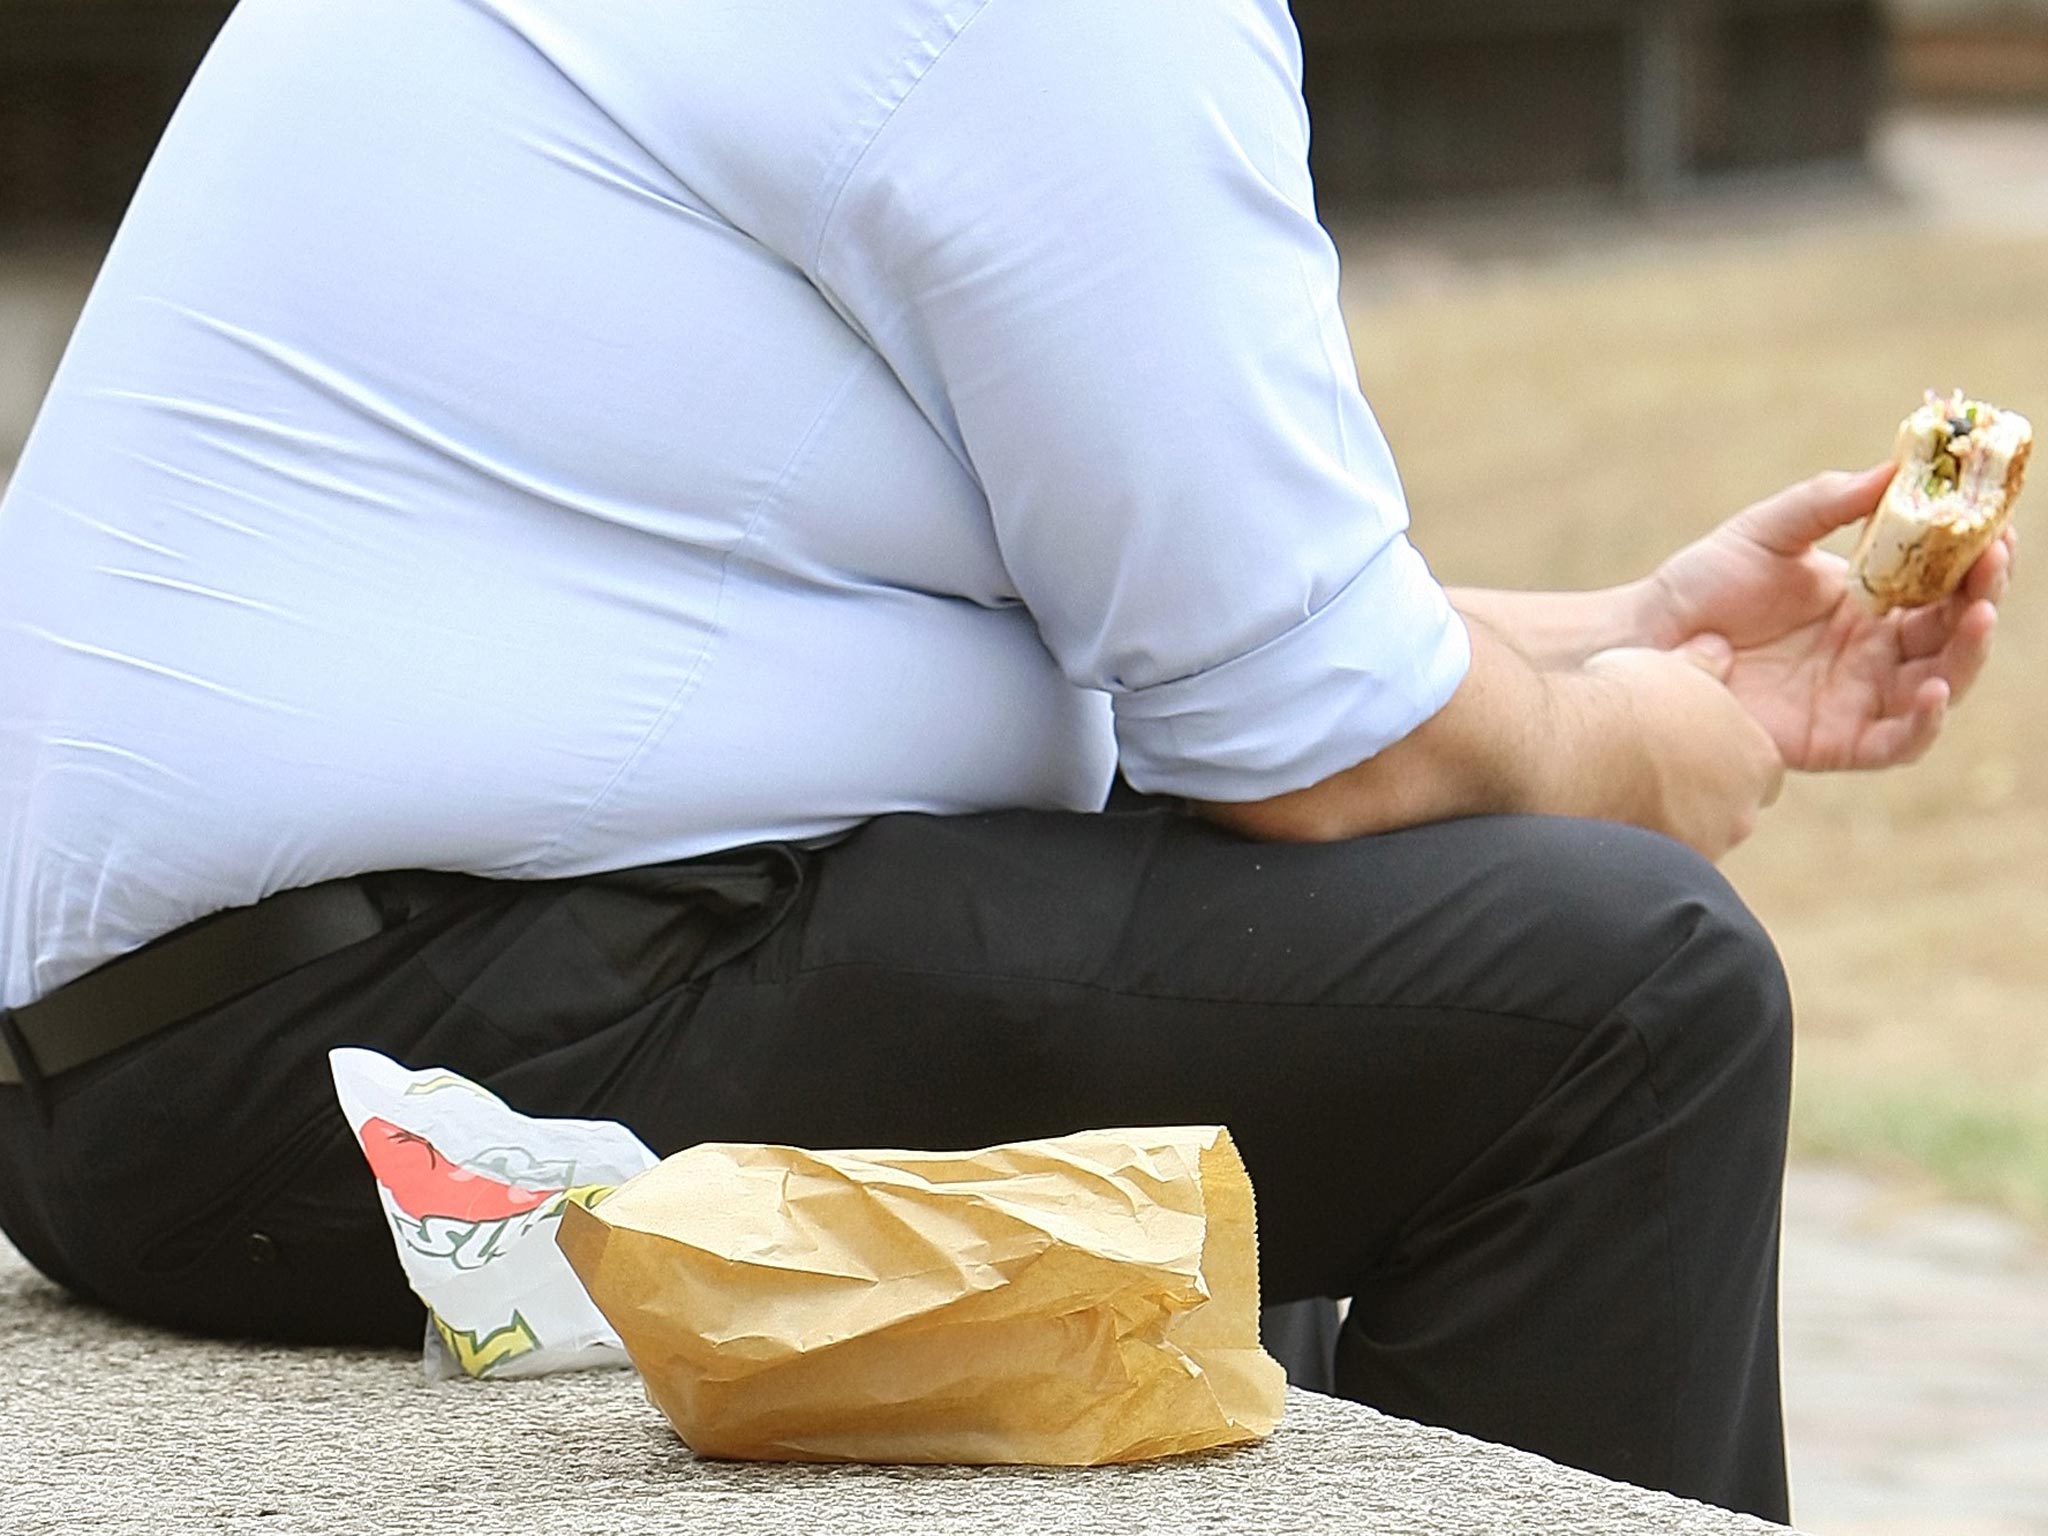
(473, 1191)
(1087, 1299)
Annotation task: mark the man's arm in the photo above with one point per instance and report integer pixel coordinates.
(1562, 629)
(1096, 268)
(1642, 737)
(1085, 242)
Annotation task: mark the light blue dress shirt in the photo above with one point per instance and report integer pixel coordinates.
(539, 436)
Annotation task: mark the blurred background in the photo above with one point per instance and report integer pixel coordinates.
(1615, 268)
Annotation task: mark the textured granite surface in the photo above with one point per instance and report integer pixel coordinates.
(110, 1428)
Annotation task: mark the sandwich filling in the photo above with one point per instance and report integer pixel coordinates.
(1960, 464)
(1955, 456)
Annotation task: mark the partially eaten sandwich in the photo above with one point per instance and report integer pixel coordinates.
(1960, 467)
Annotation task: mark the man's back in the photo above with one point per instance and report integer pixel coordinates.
(462, 472)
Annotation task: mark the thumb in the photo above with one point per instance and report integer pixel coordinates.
(1800, 516)
(1712, 654)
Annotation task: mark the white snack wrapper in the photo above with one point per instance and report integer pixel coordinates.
(474, 1192)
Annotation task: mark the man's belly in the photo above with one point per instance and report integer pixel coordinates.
(522, 741)
(557, 526)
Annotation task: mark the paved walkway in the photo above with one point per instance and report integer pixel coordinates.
(1916, 1363)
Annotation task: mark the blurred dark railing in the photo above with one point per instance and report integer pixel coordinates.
(86, 87)
(1410, 102)
(1648, 98)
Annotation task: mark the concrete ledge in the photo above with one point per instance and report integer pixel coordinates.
(111, 1428)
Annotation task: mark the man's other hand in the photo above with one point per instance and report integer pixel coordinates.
(1834, 686)
(1641, 736)
(1714, 768)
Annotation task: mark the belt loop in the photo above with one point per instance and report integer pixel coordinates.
(33, 1083)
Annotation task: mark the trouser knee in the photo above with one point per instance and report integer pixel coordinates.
(1715, 1015)
(1678, 995)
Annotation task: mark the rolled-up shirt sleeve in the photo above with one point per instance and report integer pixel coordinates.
(1083, 235)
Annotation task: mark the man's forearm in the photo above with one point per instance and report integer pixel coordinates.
(1560, 629)
(1514, 738)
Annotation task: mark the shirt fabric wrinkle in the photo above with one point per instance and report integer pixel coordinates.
(660, 427)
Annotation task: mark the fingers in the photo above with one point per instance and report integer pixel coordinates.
(1992, 574)
(1802, 515)
(1905, 737)
(1957, 661)
(1712, 654)
(1924, 631)
(1775, 781)
(1964, 656)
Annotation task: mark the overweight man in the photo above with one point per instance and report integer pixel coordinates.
(618, 549)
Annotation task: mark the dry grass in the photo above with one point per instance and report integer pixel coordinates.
(1568, 426)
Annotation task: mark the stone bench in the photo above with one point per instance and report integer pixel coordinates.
(113, 1428)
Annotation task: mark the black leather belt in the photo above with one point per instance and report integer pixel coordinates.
(200, 966)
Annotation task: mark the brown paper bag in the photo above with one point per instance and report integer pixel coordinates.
(1088, 1299)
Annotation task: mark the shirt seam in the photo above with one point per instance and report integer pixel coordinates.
(860, 157)
(1331, 368)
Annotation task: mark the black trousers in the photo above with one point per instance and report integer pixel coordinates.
(1516, 1086)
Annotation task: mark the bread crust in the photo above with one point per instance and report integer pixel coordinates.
(2016, 474)
(1914, 551)
(1904, 562)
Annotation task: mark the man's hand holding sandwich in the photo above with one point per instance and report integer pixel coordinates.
(1676, 702)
